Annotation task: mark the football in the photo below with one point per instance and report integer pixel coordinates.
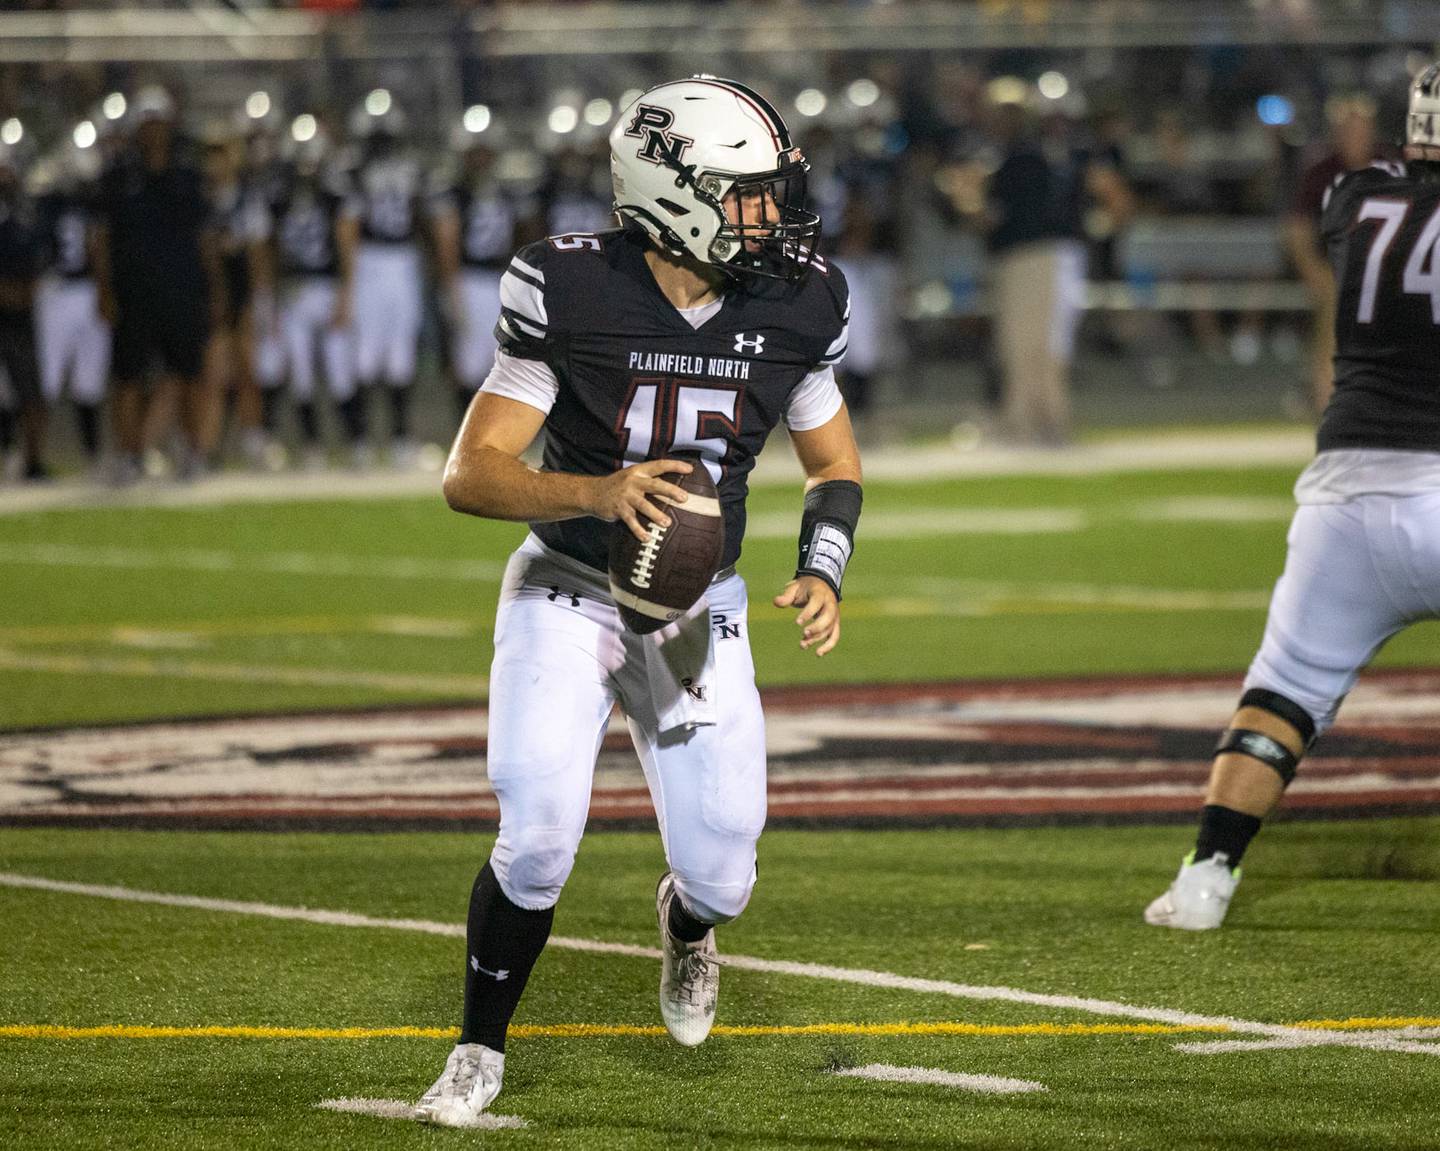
(659, 580)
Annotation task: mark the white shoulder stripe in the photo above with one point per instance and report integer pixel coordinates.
(838, 346)
(526, 300)
(521, 266)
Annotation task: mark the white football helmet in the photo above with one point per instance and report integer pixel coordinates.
(685, 148)
(1422, 126)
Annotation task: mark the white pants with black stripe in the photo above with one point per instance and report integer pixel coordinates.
(387, 312)
(72, 340)
(1356, 573)
(473, 347)
(563, 658)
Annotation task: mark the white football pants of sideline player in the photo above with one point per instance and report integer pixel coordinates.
(387, 312)
(306, 310)
(1355, 574)
(563, 658)
(72, 340)
(473, 348)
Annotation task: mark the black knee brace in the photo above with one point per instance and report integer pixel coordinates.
(1265, 748)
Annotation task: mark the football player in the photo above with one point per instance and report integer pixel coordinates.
(699, 326)
(386, 200)
(476, 224)
(1364, 547)
(304, 262)
(72, 337)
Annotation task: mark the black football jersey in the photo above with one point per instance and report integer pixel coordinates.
(1381, 225)
(387, 195)
(487, 226)
(637, 382)
(65, 217)
(305, 214)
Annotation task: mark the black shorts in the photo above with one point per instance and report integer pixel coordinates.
(17, 355)
(165, 336)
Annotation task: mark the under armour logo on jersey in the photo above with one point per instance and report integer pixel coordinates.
(556, 593)
(753, 346)
(498, 976)
(661, 146)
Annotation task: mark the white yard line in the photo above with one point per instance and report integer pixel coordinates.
(984, 1084)
(178, 668)
(1306, 1037)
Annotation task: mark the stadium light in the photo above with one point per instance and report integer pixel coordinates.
(598, 112)
(114, 106)
(863, 92)
(1006, 90)
(84, 135)
(563, 120)
(1276, 111)
(304, 128)
(628, 97)
(1052, 85)
(810, 102)
(12, 131)
(378, 102)
(477, 118)
(257, 105)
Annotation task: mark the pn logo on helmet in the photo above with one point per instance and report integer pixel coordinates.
(661, 147)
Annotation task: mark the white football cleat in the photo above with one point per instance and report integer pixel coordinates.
(1199, 897)
(689, 976)
(467, 1086)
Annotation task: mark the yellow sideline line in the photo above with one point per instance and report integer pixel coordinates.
(621, 1030)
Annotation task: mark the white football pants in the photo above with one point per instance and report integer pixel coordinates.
(72, 341)
(473, 348)
(387, 312)
(562, 660)
(1355, 574)
(306, 310)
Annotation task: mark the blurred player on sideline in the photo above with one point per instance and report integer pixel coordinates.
(20, 255)
(386, 200)
(305, 270)
(1364, 548)
(701, 325)
(477, 225)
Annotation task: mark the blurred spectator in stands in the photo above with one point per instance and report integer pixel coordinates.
(20, 247)
(72, 338)
(160, 287)
(1352, 144)
(1027, 206)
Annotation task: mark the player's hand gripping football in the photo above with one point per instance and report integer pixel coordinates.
(633, 492)
(819, 612)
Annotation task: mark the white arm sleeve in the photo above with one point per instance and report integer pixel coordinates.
(814, 401)
(529, 381)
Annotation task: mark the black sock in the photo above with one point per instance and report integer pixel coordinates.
(399, 413)
(269, 409)
(352, 415)
(684, 926)
(309, 424)
(1224, 830)
(502, 944)
(88, 417)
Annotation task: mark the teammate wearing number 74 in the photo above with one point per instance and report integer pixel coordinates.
(1364, 547)
(698, 327)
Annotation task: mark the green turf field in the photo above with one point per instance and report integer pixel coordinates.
(163, 612)
(1317, 933)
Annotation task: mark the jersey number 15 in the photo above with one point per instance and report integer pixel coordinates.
(690, 418)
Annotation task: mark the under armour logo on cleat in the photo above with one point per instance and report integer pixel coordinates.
(498, 976)
(556, 593)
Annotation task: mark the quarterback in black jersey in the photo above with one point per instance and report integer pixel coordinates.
(1364, 549)
(698, 327)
